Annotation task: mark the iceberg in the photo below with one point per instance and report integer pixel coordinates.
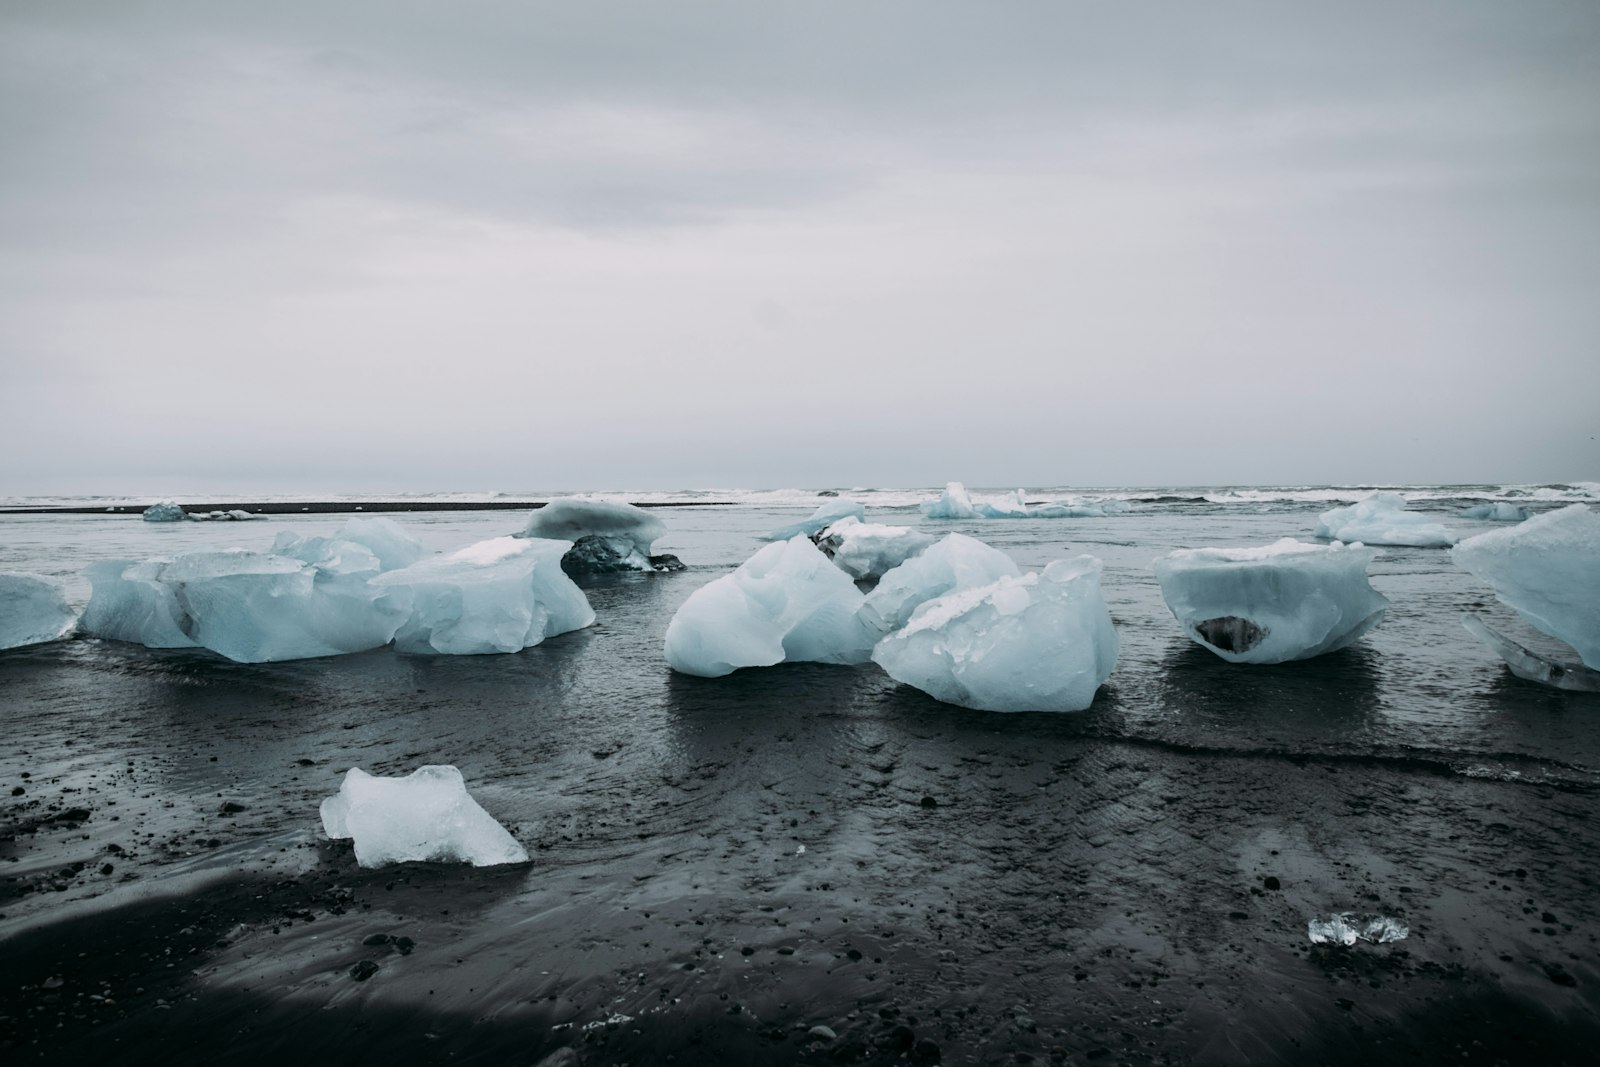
(607, 535)
(955, 563)
(825, 515)
(953, 503)
(33, 610)
(427, 815)
(1382, 519)
(130, 602)
(1548, 569)
(866, 550)
(1078, 510)
(1010, 506)
(1042, 642)
(1499, 511)
(165, 511)
(501, 595)
(787, 602)
(1284, 601)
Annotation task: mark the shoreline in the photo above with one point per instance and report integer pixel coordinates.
(339, 507)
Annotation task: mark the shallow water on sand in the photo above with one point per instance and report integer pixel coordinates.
(720, 865)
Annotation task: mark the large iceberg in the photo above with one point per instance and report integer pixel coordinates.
(866, 550)
(1042, 642)
(825, 516)
(1382, 519)
(953, 503)
(606, 535)
(165, 511)
(956, 562)
(1498, 511)
(1548, 569)
(501, 595)
(33, 610)
(787, 602)
(1280, 602)
(427, 815)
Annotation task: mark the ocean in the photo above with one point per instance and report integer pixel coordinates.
(805, 863)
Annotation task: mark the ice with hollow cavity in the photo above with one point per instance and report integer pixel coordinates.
(1346, 928)
(954, 563)
(1498, 511)
(165, 511)
(953, 503)
(1285, 601)
(427, 815)
(788, 602)
(607, 535)
(866, 550)
(500, 595)
(825, 515)
(33, 610)
(1382, 519)
(1548, 569)
(1041, 642)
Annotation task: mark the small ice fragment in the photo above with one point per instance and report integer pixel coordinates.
(801, 851)
(1347, 927)
(427, 815)
(165, 511)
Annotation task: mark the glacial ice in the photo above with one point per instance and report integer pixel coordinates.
(607, 535)
(953, 503)
(236, 515)
(1498, 511)
(500, 595)
(1042, 642)
(1010, 506)
(33, 610)
(1532, 666)
(867, 550)
(165, 511)
(1346, 928)
(387, 543)
(1548, 569)
(427, 815)
(787, 602)
(955, 563)
(130, 602)
(1078, 510)
(1382, 519)
(1284, 601)
(826, 515)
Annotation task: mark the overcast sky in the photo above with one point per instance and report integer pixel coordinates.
(384, 246)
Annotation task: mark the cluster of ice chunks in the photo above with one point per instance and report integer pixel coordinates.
(606, 535)
(33, 610)
(825, 515)
(1346, 928)
(1040, 642)
(956, 503)
(1499, 511)
(786, 603)
(1284, 601)
(867, 550)
(1548, 569)
(953, 564)
(427, 815)
(501, 595)
(367, 585)
(1382, 519)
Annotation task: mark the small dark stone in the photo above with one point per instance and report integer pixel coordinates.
(854, 955)
(926, 1051)
(405, 945)
(1097, 1052)
(901, 1038)
(375, 939)
(929, 802)
(1558, 974)
(17, 791)
(786, 951)
(363, 970)
(747, 951)
(73, 815)
(106, 868)
(303, 762)
(1345, 1003)
(1238, 915)
(231, 807)
(1547, 917)
(1271, 882)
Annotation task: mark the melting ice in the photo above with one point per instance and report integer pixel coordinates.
(427, 815)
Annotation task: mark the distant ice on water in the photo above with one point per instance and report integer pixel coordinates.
(1382, 519)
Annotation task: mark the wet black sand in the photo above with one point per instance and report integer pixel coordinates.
(1126, 885)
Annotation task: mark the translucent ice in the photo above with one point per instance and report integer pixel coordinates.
(1284, 601)
(1548, 569)
(608, 535)
(953, 503)
(1079, 510)
(165, 511)
(1010, 506)
(33, 610)
(825, 515)
(427, 815)
(130, 603)
(1042, 642)
(954, 563)
(1346, 928)
(1530, 665)
(1499, 511)
(869, 549)
(787, 602)
(501, 595)
(1382, 519)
